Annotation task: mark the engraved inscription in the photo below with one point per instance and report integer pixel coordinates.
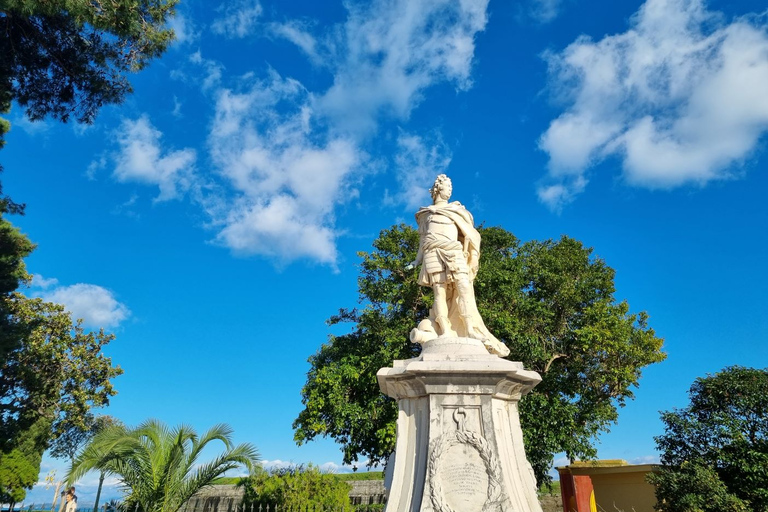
(464, 478)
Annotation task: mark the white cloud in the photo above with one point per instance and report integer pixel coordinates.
(297, 33)
(646, 459)
(293, 156)
(99, 164)
(276, 464)
(212, 69)
(289, 157)
(32, 128)
(141, 159)
(679, 98)
(38, 281)
(176, 112)
(418, 162)
(239, 19)
(95, 305)
(544, 11)
(392, 50)
(184, 29)
(287, 175)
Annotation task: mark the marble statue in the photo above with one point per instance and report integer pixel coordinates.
(459, 442)
(449, 254)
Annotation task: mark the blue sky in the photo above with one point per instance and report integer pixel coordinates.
(212, 221)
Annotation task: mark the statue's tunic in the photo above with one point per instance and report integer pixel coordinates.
(450, 243)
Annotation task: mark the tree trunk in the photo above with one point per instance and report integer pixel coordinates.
(98, 493)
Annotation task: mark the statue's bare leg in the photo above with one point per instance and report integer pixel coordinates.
(440, 308)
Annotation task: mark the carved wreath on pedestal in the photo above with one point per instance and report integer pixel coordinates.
(440, 445)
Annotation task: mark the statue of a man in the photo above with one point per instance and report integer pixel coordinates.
(449, 254)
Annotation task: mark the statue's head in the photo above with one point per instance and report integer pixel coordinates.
(442, 188)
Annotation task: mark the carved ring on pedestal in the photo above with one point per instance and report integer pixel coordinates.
(438, 447)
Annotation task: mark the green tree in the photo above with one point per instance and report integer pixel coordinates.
(54, 374)
(58, 372)
(715, 451)
(68, 58)
(304, 487)
(20, 464)
(551, 302)
(14, 247)
(157, 465)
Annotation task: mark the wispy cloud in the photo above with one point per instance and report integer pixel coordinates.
(287, 174)
(284, 157)
(291, 156)
(391, 51)
(239, 19)
(38, 281)
(646, 459)
(142, 159)
(212, 70)
(32, 128)
(544, 11)
(679, 98)
(298, 33)
(185, 30)
(418, 160)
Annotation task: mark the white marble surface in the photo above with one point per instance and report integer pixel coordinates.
(459, 443)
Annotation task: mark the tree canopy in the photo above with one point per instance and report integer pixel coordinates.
(73, 437)
(68, 58)
(715, 451)
(551, 302)
(20, 462)
(51, 377)
(58, 371)
(157, 465)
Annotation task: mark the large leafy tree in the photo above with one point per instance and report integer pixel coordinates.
(14, 247)
(20, 463)
(57, 373)
(551, 302)
(715, 451)
(51, 377)
(157, 465)
(68, 58)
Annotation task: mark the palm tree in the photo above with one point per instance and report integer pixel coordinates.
(156, 465)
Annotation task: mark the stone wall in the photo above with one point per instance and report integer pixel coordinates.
(365, 492)
(226, 498)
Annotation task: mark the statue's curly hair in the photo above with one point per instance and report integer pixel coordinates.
(441, 179)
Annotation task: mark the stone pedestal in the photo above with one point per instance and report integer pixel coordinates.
(459, 443)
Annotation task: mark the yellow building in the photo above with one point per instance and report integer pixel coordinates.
(607, 485)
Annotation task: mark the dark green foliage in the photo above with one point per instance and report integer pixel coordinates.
(20, 464)
(297, 487)
(50, 379)
(17, 474)
(715, 451)
(67, 58)
(551, 302)
(58, 371)
(14, 247)
(74, 436)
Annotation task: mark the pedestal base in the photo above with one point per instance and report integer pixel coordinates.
(459, 443)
